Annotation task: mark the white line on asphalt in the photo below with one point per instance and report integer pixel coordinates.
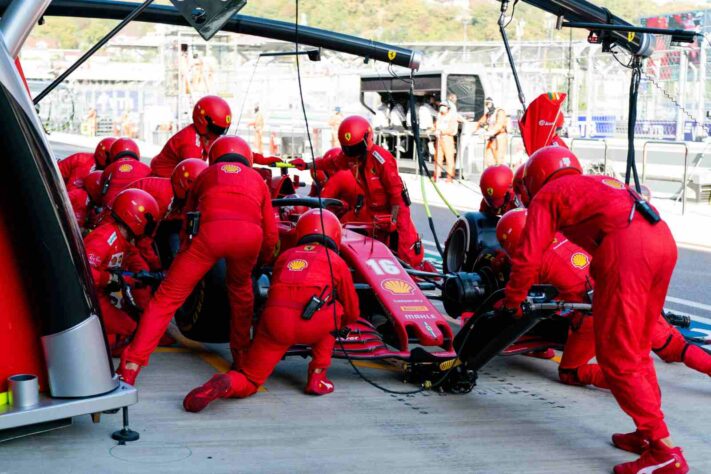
(690, 303)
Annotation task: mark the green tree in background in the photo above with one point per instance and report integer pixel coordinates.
(386, 20)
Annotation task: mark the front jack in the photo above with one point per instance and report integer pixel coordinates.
(125, 434)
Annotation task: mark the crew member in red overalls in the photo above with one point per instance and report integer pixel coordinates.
(211, 119)
(237, 223)
(133, 215)
(309, 270)
(123, 169)
(566, 266)
(496, 186)
(340, 185)
(92, 186)
(633, 256)
(376, 172)
(76, 167)
(518, 187)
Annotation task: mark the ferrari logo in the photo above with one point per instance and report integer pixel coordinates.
(630, 36)
(309, 248)
(565, 162)
(228, 119)
(579, 260)
(490, 191)
(347, 136)
(392, 55)
(397, 287)
(229, 168)
(613, 183)
(141, 209)
(125, 168)
(297, 265)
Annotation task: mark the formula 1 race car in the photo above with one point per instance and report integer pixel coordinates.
(395, 312)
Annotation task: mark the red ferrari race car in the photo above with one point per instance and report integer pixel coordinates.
(395, 312)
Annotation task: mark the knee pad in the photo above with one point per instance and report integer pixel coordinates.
(673, 349)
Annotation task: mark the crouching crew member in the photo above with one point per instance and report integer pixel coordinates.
(133, 215)
(124, 167)
(76, 167)
(375, 170)
(496, 186)
(633, 256)
(237, 223)
(312, 296)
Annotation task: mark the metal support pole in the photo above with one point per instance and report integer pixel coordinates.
(701, 87)
(680, 117)
(18, 20)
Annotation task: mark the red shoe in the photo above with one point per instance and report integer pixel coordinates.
(318, 384)
(633, 442)
(658, 459)
(547, 354)
(198, 398)
(128, 376)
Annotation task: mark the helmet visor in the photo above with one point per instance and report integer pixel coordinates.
(355, 151)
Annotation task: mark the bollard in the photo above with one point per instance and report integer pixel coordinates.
(24, 390)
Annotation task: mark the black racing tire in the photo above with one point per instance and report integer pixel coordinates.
(470, 234)
(205, 314)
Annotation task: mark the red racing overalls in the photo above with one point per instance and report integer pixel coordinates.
(187, 143)
(118, 175)
(107, 248)
(378, 177)
(343, 186)
(237, 223)
(299, 273)
(75, 168)
(632, 263)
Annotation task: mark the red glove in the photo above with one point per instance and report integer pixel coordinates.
(509, 308)
(299, 164)
(385, 222)
(270, 160)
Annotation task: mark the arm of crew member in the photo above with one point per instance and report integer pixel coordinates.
(345, 289)
(541, 226)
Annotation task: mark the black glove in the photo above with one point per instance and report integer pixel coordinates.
(149, 277)
(115, 281)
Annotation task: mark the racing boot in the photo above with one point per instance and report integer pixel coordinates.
(657, 459)
(633, 442)
(318, 384)
(543, 354)
(198, 398)
(128, 375)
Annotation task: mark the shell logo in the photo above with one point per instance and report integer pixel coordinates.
(348, 136)
(613, 183)
(125, 168)
(230, 168)
(297, 265)
(490, 191)
(397, 287)
(579, 260)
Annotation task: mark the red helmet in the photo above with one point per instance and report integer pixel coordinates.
(123, 148)
(518, 187)
(355, 135)
(227, 149)
(212, 114)
(510, 228)
(92, 186)
(101, 154)
(546, 164)
(184, 176)
(137, 210)
(309, 228)
(496, 185)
